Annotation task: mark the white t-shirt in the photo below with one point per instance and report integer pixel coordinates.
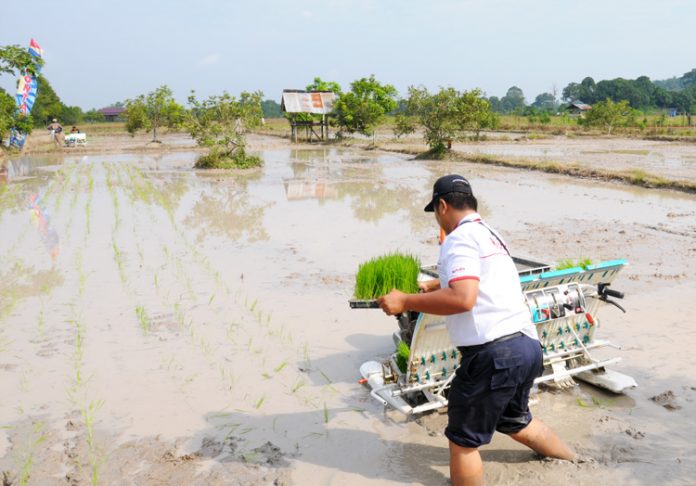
(472, 251)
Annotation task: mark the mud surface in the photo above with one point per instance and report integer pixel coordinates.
(670, 160)
(160, 325)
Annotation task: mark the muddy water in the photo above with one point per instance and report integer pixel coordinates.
(164, 324)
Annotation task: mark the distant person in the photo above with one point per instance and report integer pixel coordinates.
(74, 129)
(56, 130)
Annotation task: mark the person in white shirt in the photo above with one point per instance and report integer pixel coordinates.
(479, 292)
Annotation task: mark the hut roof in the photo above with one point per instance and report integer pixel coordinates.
(315, 102)
(112, 111)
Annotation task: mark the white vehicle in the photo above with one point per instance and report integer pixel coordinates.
(75, 139)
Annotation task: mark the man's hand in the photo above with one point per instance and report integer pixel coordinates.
(429, 285)
(393, 303)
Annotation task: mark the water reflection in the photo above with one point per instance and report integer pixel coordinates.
(22, 167)
(339, 174)
(42, 222)
(228, 211)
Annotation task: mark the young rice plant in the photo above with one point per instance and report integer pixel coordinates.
(380, 275)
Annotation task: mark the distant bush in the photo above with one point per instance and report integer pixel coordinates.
(218, 159)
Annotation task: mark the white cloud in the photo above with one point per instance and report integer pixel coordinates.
(209, 60)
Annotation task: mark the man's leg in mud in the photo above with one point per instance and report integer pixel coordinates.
(466, 467)
(539, 437)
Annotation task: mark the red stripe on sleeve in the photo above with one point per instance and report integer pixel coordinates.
(466, 277)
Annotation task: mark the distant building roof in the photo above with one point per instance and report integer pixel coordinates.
(112, 111)
(315, 102)
(579, 105)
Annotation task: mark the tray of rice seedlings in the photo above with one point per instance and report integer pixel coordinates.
(380, 275)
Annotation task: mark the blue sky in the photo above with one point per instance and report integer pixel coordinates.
(98, 52)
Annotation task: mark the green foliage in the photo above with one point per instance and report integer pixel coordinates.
(546, 102)
(10, 119)
(15, 60)
(380, 275)
(221, 123)
(271, 109)
(240, 159)
(320, 85)
(446, 115)
(607, 114)
(640, 93)
(404, 124)
(403, 354)
(513, 101)
(569, 263)
(93, 116)
(364, 107)
(47, 105)
(149, 112)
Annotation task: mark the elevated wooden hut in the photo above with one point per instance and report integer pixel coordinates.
(308, 110)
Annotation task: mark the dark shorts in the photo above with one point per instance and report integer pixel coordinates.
(491, 390)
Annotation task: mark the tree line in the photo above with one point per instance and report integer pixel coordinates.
(641, 94)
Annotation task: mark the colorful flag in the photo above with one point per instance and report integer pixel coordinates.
(27, 89)
(35, 49)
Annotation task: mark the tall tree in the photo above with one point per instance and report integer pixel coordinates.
(513, 101)
(364, 107)
(271, 109)
(320, 85)
(446, 115)
(545, 102)
(608, 115)
(152, 111)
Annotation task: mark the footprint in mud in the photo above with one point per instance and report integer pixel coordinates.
(271, 455)
(635, 433)
(666, 399)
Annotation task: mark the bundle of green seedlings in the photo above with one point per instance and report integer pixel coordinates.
(569, 263)
(380, 275)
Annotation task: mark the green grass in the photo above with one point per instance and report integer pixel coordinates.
(380, 275)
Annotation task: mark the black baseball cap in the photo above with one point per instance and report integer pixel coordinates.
(445, 185)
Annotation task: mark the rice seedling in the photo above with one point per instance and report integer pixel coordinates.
(38, 436)
(143, 319)
(41, 323)
(403, 354)
(118, 257)
(278, 368)
(380, 275)
(298, 384)
(324, 375)
(569, 263)
(88, 416)
(259, 402)
(326, 414)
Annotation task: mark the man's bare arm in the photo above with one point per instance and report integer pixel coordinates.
(459, 297)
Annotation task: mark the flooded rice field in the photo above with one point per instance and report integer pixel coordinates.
(665, 159)
(160, 325)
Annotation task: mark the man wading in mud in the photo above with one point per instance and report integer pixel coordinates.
(479, 292)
